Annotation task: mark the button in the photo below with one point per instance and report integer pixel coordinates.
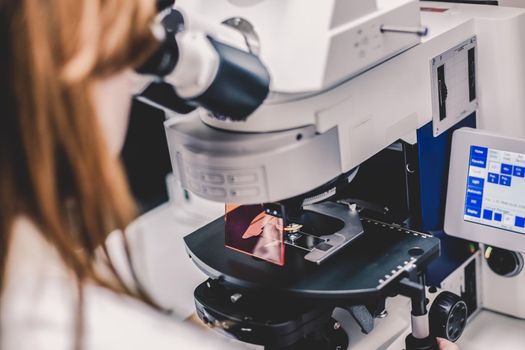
(474, 201)
(478, 162)
(474, 212)
(519, 171)
(505, 180)
(487, 214)
(214, 191)
(506, 169)
(498, 217)
(475, 191)
(481, 152)
(245, 192)
(475, 182)
(242, 179)
(493, 178)
(216, 179)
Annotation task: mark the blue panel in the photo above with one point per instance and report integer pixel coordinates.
(498, 217)
(493, 178)
(473, 211)
(434, 158)
(479, 152)
(506, 169)
(505, 180)
(474, 192)
(474, 201)
(519, 222)
(519, 171)
(478, 162)
(475, 182)
(487, 214)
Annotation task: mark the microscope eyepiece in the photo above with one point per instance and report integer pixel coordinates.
(164, 59)
(225, 80)
(240, 86)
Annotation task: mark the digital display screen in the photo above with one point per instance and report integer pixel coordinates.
(495, 193)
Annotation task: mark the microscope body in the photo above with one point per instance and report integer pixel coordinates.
(351, 86)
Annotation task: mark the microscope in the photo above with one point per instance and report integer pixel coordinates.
(329, 123)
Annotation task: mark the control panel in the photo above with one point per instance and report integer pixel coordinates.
(496, 189)
(486, 189)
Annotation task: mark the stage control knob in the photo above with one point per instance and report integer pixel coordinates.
(448, 316)
(503, 262)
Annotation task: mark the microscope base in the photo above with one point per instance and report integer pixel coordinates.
(275, 321)
(329, 337)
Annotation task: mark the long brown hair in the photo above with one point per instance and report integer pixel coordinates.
(55, 167)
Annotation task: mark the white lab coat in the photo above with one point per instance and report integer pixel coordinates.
(39, 303)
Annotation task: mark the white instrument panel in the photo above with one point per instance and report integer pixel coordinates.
(486, 189)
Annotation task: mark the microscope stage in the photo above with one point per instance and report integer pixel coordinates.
(363, 269)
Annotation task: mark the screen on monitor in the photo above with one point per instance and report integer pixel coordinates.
(495, 193)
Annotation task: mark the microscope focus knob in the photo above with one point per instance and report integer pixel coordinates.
(448, 316)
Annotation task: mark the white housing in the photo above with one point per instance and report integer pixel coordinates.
(338, 128)
(309, 45)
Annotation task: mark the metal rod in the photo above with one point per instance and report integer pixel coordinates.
(420, 31)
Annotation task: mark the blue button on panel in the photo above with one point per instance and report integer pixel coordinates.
(478, 162)
(506, 169)
(498, 217)
(474, 212)
(487, 214)
(519, 222)
(480, 152)
(475, 191)
(474, 201)
(505, 180)
(519, 171)
(493, 178)
(475, 182)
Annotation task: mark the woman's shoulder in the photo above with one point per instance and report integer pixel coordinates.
(34, 270)
(38, 292)
(30, 254)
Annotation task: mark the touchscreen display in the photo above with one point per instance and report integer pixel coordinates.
(495, 193)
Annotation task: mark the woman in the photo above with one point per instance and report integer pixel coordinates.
(65, 70)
